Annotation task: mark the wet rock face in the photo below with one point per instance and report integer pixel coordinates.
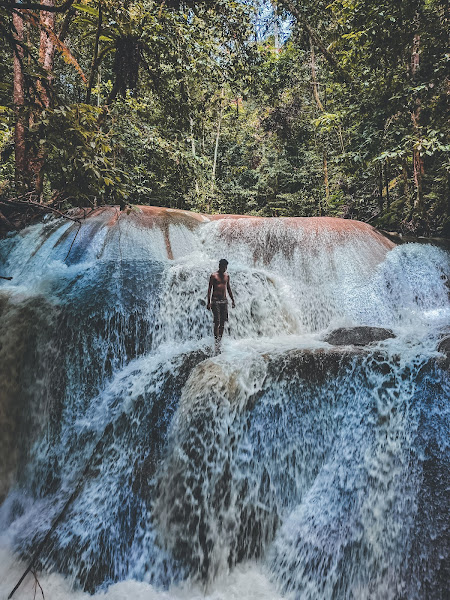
(28, 372)
(358, 336)
(444, 348)
(258, 444)
(220, 493)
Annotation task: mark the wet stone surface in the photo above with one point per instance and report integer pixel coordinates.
(444, 347)
(358, 336)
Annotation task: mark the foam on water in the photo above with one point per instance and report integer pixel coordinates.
(283, 467)
(245, 581)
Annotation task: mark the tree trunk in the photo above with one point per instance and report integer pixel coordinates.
(66, 24)
(99, 84)
(405, 180)
(386, 179)
(216, 148)
(276, 31)
(315, 91)
(185, 88)
(21, 165)
(46, 58)
(341, 139)
(194, 153)
(380, 188)
(191, 128)
(325, 176)
(418, 175)
(418, 167)
(314, 77)
(94, 64)
(46, 54)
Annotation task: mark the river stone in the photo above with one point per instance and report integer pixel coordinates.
(358, 336)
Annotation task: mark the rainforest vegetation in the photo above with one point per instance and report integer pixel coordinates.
(281, 108)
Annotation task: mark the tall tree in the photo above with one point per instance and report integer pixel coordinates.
(19, 102)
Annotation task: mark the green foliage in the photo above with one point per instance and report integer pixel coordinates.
(80, 157)
(188, 110)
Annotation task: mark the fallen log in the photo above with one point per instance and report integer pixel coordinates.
(38, 205)
(7, 221)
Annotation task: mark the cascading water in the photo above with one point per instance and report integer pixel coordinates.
(283, 467)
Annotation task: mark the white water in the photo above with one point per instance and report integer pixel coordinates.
(245, 581)
(277, 467)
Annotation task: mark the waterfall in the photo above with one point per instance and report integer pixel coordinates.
(283, 467)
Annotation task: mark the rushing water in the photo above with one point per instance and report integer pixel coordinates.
(281, 468)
